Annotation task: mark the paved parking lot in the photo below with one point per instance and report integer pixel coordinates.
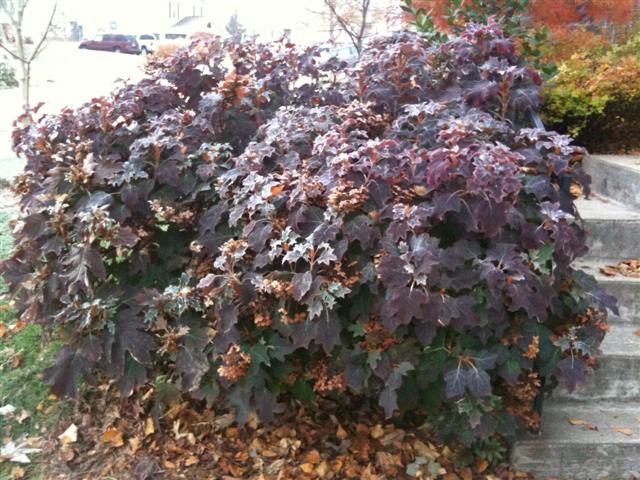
(63, 75)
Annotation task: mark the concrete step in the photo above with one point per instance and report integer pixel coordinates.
(616, 176)
(576, 452)
(613, 229)
(618, 374)
(625, 289)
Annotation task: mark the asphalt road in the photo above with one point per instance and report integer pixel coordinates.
(63, 76)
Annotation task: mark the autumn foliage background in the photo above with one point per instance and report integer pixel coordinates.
(594, 93)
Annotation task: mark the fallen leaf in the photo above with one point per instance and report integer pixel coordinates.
(322, 469)
(113, 436)
(134, 444)
(148, 427)
(16, 361)
(17, 453)
(481, 465)
(625, 431)
(7, 410)
(17, 473)
(576, 422)
(192, 460)
(420, 190)
(637, 333)
(377, 431)
(70, 435)
(424, 450)
(312, 456)
(276, 190)
(306, 467)
(609, 271)
(576, 190)
(341, 433)
(3, 330)
(22, 416)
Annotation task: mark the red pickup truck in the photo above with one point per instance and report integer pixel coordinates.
(112, 42)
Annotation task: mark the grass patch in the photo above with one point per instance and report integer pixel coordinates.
(23, 357)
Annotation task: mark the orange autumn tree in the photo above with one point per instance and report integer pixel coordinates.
(554, 13)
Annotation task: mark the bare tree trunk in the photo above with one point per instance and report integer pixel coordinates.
(15, 11)
(26, 85)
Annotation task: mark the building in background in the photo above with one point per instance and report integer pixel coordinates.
(132, 16)
(303, 21)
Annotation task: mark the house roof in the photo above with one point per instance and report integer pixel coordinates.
(193, 21)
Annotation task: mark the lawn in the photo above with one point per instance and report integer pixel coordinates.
(23, 356)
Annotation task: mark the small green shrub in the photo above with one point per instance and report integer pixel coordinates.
(7, 76)
(596, 98)
(251, 227)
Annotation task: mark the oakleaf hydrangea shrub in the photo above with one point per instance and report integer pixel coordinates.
(247, 227)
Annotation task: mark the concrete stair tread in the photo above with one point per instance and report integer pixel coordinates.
(592, 267)
(605, 447)
(631, 162)
(621, 341)
(604, 416)
(598, 207)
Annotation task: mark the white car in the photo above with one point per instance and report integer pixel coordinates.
(147, 42)
(173, 38)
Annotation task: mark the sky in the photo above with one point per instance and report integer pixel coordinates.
(268, 18)
(256, 15)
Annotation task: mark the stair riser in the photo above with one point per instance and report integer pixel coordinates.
(621, 184)
(577, 461)
(628, 295)
(616, 379)
(613, 238)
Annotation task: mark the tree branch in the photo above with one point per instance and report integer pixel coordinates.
(45, 34)
(353, 36)
(17, 57)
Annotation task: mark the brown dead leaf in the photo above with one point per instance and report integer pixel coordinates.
(113, 436)
(481, 465)
(391, 437)
(4, 331)
(148, 427)
(191, 460)
(637, 333)
(609, 271)
(312, 456)
(16, 361)
(582, 423)
(17, 473)
(276, 190)
(625, 431)
(307, 467)
(322, 469)
(575, 190)
(576, 422)
(420, 190)
(377, 431)
(341, 433)
(22, 416)
(424, 450)
(67, 454)
(134, 444)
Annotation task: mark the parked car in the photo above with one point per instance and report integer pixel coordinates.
(147, 42)
(347, 53)
(112, 42)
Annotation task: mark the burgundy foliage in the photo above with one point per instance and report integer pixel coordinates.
(247, 225)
